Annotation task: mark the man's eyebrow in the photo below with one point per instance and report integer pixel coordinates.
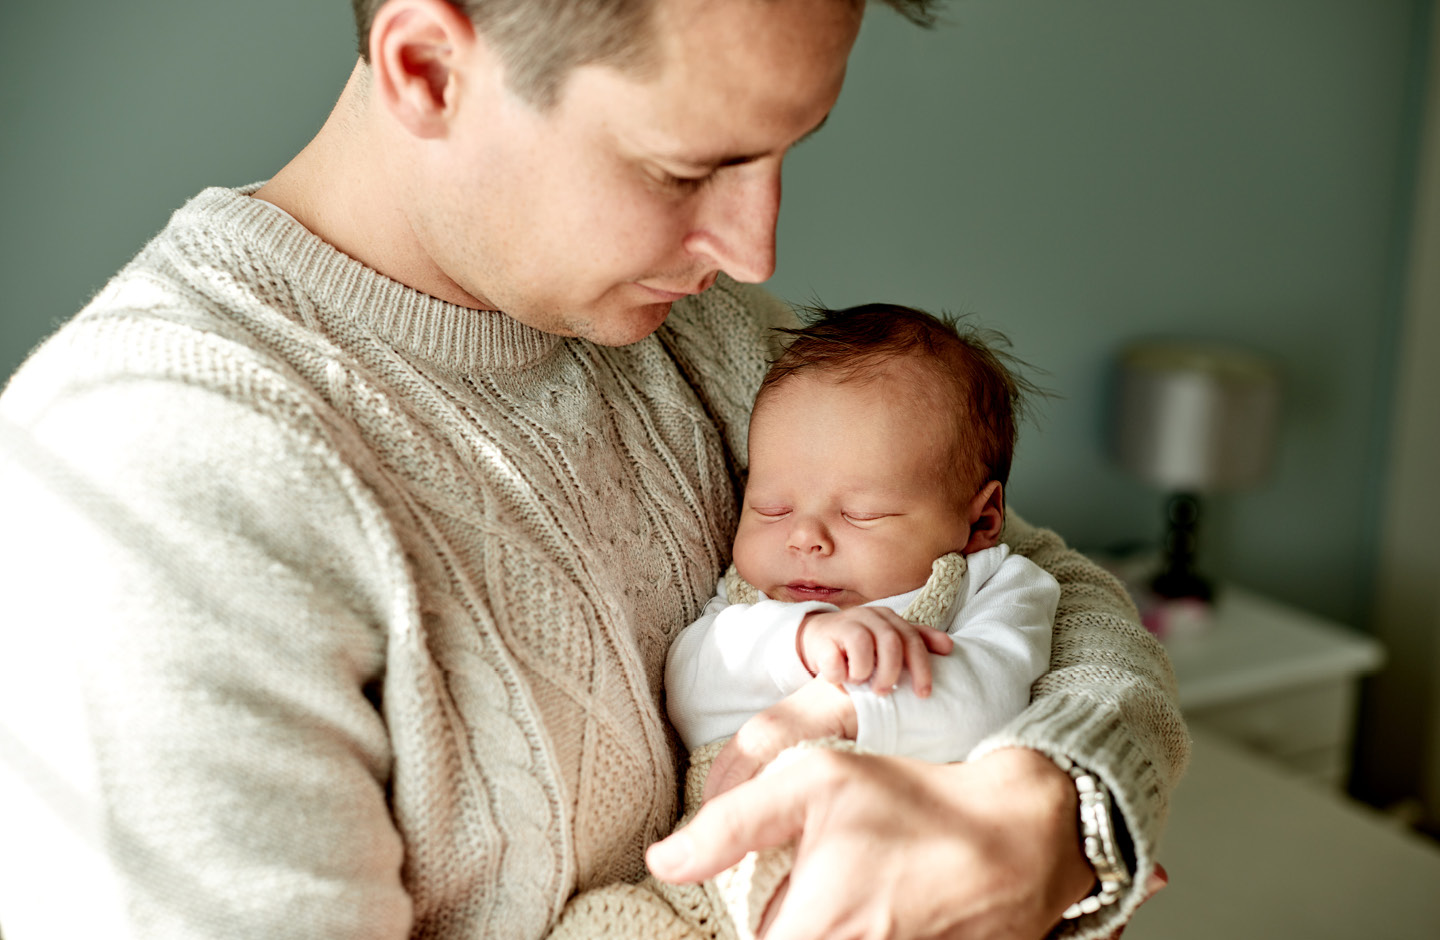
(738, 159)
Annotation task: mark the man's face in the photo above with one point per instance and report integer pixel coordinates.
(592, 218)
(846, 501)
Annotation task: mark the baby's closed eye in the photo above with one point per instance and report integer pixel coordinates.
(771, 512)
(864, 519)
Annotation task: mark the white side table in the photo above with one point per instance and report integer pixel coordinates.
(1278, 680)
(1255, 853)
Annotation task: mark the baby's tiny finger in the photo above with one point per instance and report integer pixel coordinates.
(889, 661)
(937, 641)
(918, 660)
(832, 665)
(860, 651)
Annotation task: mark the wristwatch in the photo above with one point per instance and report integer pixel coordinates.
(1097, 838)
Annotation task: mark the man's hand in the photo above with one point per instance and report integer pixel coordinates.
(893, 847)
(817, 709)
(872, 643)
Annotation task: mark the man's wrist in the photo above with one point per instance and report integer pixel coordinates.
(1036, 781)
(1038, 773)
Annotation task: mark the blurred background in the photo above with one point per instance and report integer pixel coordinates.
(1079, 175)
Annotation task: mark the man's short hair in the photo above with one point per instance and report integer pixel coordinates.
(974, 373)
(540, 41)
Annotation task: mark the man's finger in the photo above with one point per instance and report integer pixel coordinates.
(804, 917)
(733, 765)
(772, 908)
(761, 813)
(751, 748)
(1158, 879)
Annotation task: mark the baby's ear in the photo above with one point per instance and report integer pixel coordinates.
(986, 515)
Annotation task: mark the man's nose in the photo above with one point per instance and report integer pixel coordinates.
(809, 535)
(735, 227)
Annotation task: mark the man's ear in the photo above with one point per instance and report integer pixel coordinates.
(987, 517)
(416, 48)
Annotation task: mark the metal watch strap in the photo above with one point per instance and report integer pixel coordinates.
(1097, 838)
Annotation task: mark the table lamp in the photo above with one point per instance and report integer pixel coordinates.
(1193, 419)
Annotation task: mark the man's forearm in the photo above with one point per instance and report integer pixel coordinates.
(1108, 703)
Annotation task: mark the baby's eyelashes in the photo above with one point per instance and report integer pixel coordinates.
(855, 517)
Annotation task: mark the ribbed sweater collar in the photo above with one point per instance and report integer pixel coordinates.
(450, 336)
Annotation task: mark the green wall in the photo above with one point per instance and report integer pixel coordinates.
(1080, 173)
(1076, 172)
(113, 114)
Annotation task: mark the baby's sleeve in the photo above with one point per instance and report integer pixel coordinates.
(735, 661)
(1002, 645)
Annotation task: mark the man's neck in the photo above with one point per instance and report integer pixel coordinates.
(340, 188)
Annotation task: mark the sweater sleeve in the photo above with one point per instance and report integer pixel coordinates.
(191, 649)
(736, 660)
(1109, 703)
(1002, 645)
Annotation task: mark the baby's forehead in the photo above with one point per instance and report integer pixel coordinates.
(911, 400)
(897, 384)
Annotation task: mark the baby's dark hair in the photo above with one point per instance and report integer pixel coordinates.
(987, 394)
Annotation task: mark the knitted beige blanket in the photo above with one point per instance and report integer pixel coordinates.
(731, 905)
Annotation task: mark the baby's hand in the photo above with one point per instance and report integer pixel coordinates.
(872, 643)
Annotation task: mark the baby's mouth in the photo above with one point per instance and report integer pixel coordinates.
(810, 591)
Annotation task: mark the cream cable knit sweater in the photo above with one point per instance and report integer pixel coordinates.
(335, 610)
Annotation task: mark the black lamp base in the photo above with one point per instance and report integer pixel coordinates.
(1179, 579)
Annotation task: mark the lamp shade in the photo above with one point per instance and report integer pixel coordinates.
(1196, 418)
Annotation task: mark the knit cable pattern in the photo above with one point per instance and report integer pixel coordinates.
(545, 512)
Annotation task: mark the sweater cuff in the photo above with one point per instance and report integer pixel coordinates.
(1094, 737)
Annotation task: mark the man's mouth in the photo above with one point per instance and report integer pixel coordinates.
(665, 296)
(673, 292)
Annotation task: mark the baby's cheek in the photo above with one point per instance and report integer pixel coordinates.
(898, 569)
(749, 555)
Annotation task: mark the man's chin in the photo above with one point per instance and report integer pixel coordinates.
(624, 327)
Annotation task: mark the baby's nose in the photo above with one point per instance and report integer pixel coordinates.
(810, 536)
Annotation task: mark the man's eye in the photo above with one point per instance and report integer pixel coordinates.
(687, 183)
(682, 182)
